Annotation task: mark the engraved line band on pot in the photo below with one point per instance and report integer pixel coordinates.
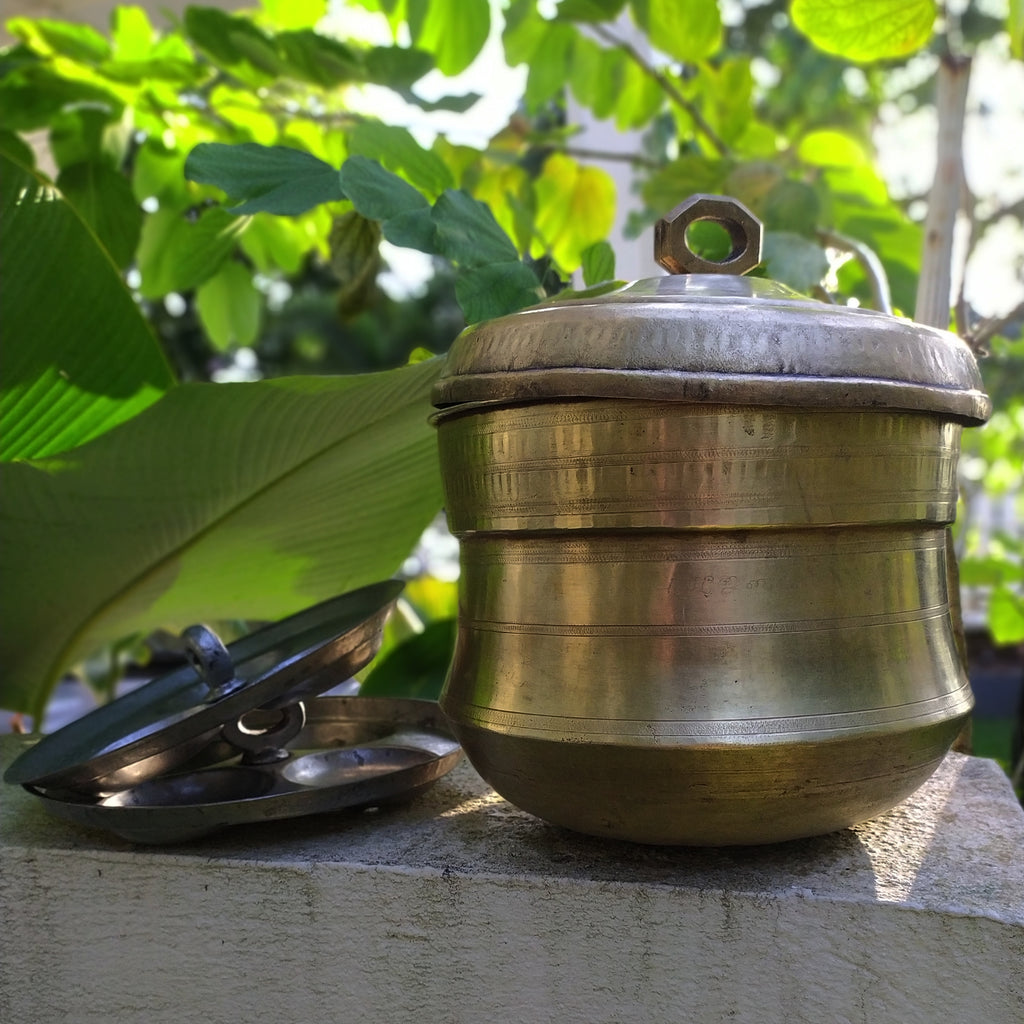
(626, 629)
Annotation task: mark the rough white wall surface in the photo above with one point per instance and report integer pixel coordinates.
(459, 908)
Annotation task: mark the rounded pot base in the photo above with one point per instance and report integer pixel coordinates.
(743, 794)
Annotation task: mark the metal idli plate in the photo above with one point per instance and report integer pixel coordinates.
(352, 752)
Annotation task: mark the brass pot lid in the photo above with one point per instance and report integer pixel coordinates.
(696, 336)
(170, 721)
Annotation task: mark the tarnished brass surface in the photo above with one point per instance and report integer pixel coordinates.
(702, 624)
(713, 338)
(703, 538)
(655, 465)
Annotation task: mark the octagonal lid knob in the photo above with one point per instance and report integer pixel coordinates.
(672, 249)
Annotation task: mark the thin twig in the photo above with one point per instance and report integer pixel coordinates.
(599, 154)
(665, 83)
(991, 326)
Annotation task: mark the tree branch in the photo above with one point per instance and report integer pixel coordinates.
(667, 86)
(933, 292)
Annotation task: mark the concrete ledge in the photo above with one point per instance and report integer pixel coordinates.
(459, 908)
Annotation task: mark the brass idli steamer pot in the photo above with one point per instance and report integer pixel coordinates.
(703, 527)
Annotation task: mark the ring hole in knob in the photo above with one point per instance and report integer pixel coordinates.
(714, 240)
(692, 225)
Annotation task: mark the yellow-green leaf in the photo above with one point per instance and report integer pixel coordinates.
(576, 207)
(865, 30)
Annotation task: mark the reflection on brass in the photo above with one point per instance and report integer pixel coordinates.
(703, 547)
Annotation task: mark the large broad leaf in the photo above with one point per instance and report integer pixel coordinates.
(104, 198)
(271, 179)
(221, 501)
(77, 357)
(867, 30)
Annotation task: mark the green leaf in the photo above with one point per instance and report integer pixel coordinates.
(229, 306)
(234, 42)
(467, 232)
(413, 229)
(830, 148)
(669, 185)
(867, 30)
(319, 60)
(794, 260)
(104, 199)
(596, 76)
(1015, 27)
(270, 179)
(397, 150)
(16, 149)
(1006, 616)
(598, 263)
(791, 206)
(550, 65)
(376, 192)
(638, 98)
(294, 13)
(415, 668)
(396, 66)
(131, 34)
(496, 289)
(355, 260)
(456, 104)
(221, 501)
(77, 358)
(34, 98)
(79, 42)
(77, 134)
(276, 243)
(176, 254)
(689, 31)
(454, 31)
(589, 10)
(523, 32)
